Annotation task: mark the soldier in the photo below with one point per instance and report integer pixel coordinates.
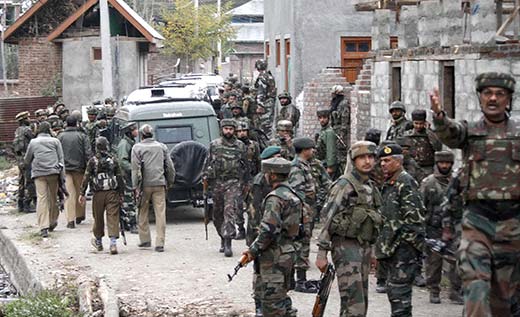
(248, 103)
(352, 225)
(152, 173)
(340, 122)
(225, 169)
(22, 136)
(76, 153)
(288, 111)
(424, 143)
(374, 136)
(409, 164)
(489, 254)
(323, 183)
(302, 181)
(58, 107)
(238, 113)
(225, 109)
(45, 156)
(91, 126)
(265, 97)
(124, 155)
(400, 244)
(273, 250)
(326, 145)
(433, 189)
(104, 176)
(63, 114)
(56, 124)
(41, 115)
(399, 122)
(283, 139)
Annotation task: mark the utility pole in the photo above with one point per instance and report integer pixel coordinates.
(106, 52)
(219, 43)
(2, 50)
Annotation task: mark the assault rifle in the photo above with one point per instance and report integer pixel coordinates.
(323, 291)
(140, 188)
(241, 263)
(122, 217)
(441, 247)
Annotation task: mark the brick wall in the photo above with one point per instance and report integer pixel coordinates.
(160, 65)
(40, 67)
(360, 102)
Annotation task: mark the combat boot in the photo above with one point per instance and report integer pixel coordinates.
(71, 225)
(222, 245)
(241, 233)
(20, 205)
(28, 207)
(381, 287)
(301, 282)
(258, 308)
(456, 298)
(419, 280)
(434, 298)
(227, 248)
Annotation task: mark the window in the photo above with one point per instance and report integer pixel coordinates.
(396, 82)
(96, 53)
(448, 88)
(169, 135)
(247, 19)
(277, 52)
(267, 50)
(394, 42)
(353, 51)
(287, 62)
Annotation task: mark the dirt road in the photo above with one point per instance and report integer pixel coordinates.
(188, 279)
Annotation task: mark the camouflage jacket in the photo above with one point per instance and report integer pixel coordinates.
(92, 170)
(288, 152)
(253, 156)
(424, 146)
(491, 156)
(249, 106)
(376, 174)
(403, 215)
(227, 159)
(291, 113)
(326, 147)
(340, 121)
(22, 136)
(254, 200)
(301, 180)
(342, 199)
(398, 128)
(280, 222)
(323, 181)
(92, 129)
(433, 190)
(412, 168)
(124, 154)
(265, 88)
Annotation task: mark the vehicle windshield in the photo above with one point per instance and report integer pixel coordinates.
(174, 134)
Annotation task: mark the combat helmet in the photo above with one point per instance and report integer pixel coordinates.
(362, 147)
(102, 144)
(22, 116)
(444, 156)
(228, 123)
(397, 105)
(284, 125)
(92, 110)
(261, 64)
(242, 125)
(494, 79)
(323, 112)
(337, 90)
(277, 165)
(285, 94)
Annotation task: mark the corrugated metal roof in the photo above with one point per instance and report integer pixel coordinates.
(253, 7)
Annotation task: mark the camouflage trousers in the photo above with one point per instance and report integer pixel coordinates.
(273, 268)
(265, 121)
(240, 221)
(352, 262)
(303, 245)
(225, 205)
(489, 263)
(26, 188)
(130, 214)
(401, 269)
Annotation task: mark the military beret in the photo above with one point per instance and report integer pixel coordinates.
(494, 79)
(404, 142)
(419, 115)
(397, 105)
(277, 165)
(373, 135)
(390, 149)
(270, 151)
(444, 156)
(303, 143)
(129, 126)
(362, 147)
(22, 115)
(228, 123)
(322, 112)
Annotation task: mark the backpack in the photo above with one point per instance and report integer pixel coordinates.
(104, 176)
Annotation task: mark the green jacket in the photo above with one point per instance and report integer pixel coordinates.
(124, 154)
(326, 147)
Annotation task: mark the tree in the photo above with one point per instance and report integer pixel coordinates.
(193, 34)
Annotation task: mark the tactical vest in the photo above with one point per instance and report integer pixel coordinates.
(360, 220)
(227, 161)
(21, 142)
(292, 226)
(104, 177)
(493, 163)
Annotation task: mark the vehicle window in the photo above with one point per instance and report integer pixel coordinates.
(174, 134)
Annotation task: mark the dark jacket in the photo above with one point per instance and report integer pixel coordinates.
(76, 149)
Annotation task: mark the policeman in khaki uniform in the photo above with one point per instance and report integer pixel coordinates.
(489, 254)
(106, 181)
(273, 249)
(352, 225)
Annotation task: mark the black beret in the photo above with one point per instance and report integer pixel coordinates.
(419, 115)
(390, 149)
(303, 143)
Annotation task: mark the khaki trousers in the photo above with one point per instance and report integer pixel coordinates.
(73, 208)
(47, 200)
(105, 200)
(157, 194)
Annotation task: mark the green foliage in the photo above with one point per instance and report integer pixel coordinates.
(194, 34)
(53, 87)
(5, 164)
(44, 304)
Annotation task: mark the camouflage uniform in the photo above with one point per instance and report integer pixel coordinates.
(287, 149)
(91, 127)
(249, 105)
(399, 126)
(340, 122)
(410, 165)
(489, 254)
(401, 241)
(226, 168)
(124, 154)
(22, 136)
(323, 183)
(349, 238)
(274, 250)
(433, 189)
(265, 86)
(289, 112)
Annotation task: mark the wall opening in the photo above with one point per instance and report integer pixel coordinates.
(396, 82)
(267, 50)
(277, 48)
(353, 51)
(448, 88)
(287, 62)
(96, 53)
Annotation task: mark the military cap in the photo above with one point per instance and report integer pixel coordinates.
(284, 125)
(146, 130)
(226, 94)
(270, 151)
(22, 115)
(228, 123)
(444, 156)
(322, 112)
(494, 79)
(404, 142)
(40, 112)
(101, 143)
(245, 88)
(373, 135)
(236, 105)
(303, 143)
(419, 115)
(285, 94)
(390, 149)
(337, 89)
(397, 105)
(129, 126)
(92, 110)
(276, 165)
(362, 147)
(62, 111)
(261, 64)
(242, 125)
(111, 111)
(233, 93)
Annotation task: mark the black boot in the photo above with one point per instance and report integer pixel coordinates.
(222, 245)
(301, 278)
(241, 233)
(292, 282)
(258, 308)
(20, 205)
(227, 248)
(133, 229)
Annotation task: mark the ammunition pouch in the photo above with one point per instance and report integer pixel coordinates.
(359, 223)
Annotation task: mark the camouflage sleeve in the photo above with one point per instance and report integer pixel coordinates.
(450, 132)
(123, 156)
(29, 155)
(209, 169)
(337, 198)
(86, 177)
(297, 181)
(261, 93)
(330, 144)
(412, 213)
(119, 176)
(270, 227)
(86, 146)
(246, 174)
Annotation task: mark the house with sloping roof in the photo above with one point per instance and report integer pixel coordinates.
(59, 50)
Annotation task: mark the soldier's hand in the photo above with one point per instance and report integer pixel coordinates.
(435, 101)
(82, 200)
(446, 234)
(249, 255)
(322, 263)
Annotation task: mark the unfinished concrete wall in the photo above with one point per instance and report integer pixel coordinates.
(382, 22)
(407, 28)
(381, 94)
(429, 28)
(483, 21)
